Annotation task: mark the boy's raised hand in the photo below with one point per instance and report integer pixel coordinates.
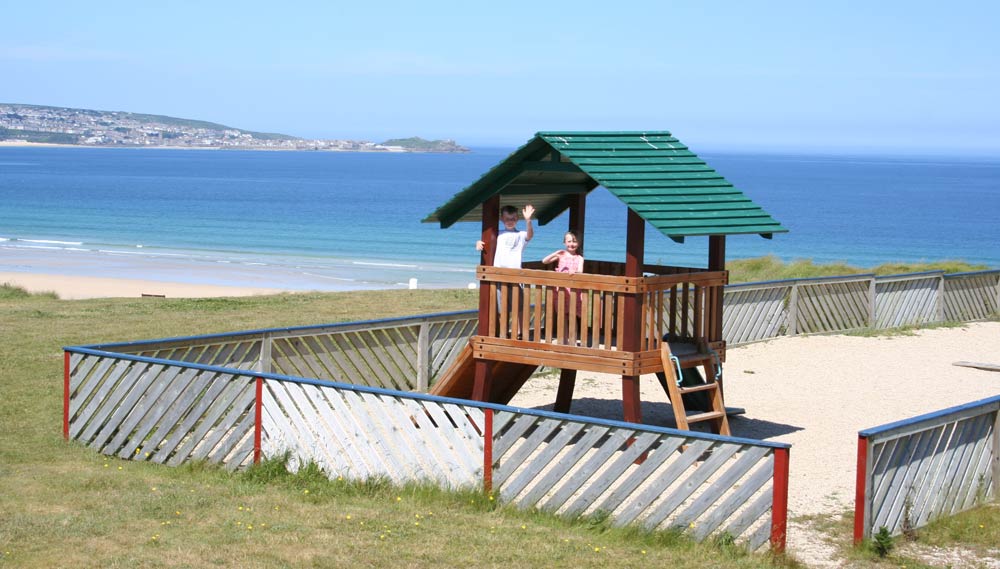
(528, 211)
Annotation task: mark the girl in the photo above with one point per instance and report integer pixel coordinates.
(569, 261)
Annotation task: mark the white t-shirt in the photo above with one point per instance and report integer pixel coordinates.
(510, 246)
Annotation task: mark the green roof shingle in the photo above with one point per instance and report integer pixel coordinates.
(653, 173)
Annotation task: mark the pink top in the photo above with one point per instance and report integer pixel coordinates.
(570, 264)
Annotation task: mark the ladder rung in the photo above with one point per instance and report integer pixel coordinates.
(690, 360)
(694, 388)
(706, 416)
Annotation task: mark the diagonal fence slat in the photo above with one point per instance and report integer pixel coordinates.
(633, 475)
(926, 467)
(172, 412)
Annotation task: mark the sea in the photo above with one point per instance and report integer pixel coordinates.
(344, 221)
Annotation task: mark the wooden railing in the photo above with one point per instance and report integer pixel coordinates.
(588, 310)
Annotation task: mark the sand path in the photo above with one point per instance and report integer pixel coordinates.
(817, 392)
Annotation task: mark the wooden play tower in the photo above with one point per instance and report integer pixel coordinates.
(633, 318)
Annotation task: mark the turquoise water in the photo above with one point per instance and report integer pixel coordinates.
(352, 220)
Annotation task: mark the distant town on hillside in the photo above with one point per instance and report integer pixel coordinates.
(85, 127)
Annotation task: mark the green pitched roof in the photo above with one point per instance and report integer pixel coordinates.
(653, 173)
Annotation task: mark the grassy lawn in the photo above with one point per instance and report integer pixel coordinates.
(64, 505)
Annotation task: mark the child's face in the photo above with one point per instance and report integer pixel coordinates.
(571, 244)
(509, 220)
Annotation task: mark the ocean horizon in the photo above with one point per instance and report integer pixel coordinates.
(340, 221)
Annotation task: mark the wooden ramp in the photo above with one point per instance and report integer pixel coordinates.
(459, 380)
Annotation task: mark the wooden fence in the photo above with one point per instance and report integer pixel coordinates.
(399, 353)
(410, 353)
(151, 409)
(758, 311)
(914, 471)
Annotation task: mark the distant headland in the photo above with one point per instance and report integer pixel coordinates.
(84, 127)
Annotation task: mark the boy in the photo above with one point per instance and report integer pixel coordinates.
(510, 241)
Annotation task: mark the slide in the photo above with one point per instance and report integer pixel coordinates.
(460, 378)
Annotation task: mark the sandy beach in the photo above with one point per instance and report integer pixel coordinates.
(78, 287)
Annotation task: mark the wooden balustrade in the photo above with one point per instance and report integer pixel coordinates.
(584, 313)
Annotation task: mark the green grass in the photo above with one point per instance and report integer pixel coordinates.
(910, 330)
(771, 268)
(65, 505)
(976, 532)
(977, 529)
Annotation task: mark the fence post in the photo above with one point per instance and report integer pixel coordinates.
(264, 365)
(998, 302)
(779, 505)
(488, 451)
(258, 409)
(871, 303)
(66, 395)
(996, 455)
(861, 491)
(939, 302)
(793, 310)
(424, 357)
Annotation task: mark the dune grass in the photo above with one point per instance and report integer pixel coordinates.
(65, 505)
(771, 268)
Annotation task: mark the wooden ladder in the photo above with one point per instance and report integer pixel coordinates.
(717, 414)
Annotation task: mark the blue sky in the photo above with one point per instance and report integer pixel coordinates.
(860, 76)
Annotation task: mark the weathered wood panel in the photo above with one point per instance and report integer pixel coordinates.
(659, 479)
(359, 435)
(906, 300)
(929, 466)
(971, 296)
(832, 305)
(156, 411)
(753, 313)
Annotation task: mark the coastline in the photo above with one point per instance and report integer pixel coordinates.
(27, 144)
(74, 274)
(78, 287)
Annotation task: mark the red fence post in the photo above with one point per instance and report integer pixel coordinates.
(488, 452)
(861, 483)
(65, 395)
(258, 407)
(779, 504)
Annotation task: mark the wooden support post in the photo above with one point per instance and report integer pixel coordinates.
(716, 262)
(564, 397)
(631, 400)
(939, 300)
(632, 318)
(487, 307)
(481, 389)
(577, 217)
